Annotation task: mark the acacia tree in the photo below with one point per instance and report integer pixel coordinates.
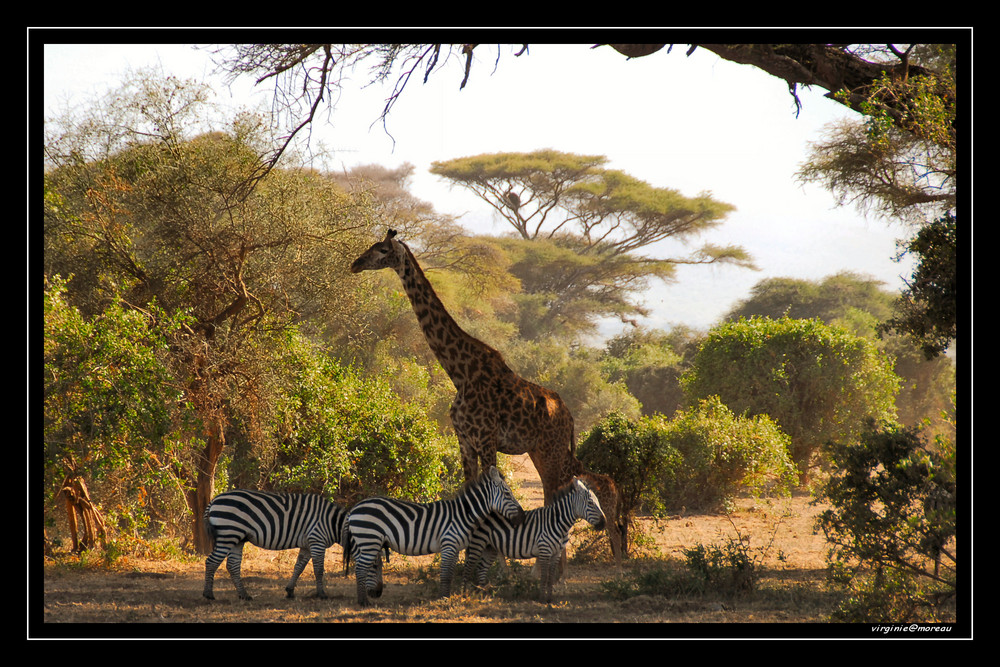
(546, 193)
(580, 228)
(906, 171)
(190, 223)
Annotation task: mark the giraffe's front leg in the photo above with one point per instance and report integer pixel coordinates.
(477, 449)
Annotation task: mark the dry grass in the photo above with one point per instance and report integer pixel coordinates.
(139, 593)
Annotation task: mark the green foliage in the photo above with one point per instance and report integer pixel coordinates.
(928, 309)
(730, 570)
(891, 523)
(702, 457)
(650, 366)
(818, 382)
(636, 454)
(829, 299)
(350, 437)
(112, 412)
(107, 392)
(861, 306)
(659, 580)
(722, 454)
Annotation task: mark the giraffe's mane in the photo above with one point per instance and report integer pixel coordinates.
(470, 337)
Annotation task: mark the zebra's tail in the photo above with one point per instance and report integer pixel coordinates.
(209, 528)
(348, 546)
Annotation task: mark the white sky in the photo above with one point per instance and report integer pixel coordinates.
(688, 123)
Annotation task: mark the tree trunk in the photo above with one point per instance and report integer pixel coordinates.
(199, 498)
(86, 525)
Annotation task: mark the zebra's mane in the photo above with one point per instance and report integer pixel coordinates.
(477, 481)
(564, 491)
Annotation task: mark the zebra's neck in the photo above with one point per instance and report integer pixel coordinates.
(559, 515)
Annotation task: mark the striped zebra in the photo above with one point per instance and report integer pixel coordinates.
(543, 534)
(272, 521)
(416, 529)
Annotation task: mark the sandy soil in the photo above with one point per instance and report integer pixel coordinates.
(158, 598)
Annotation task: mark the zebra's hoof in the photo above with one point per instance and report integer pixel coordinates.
(208, 595)
(289, 592)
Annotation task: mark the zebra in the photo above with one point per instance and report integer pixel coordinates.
(272, 521)
(416, 529)
(543, 535)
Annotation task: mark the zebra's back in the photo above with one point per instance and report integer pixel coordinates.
(540, 527)
(407, 527)
(275, 520)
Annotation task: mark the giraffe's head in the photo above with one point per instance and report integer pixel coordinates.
(385, 254)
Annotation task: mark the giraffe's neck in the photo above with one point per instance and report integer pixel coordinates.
(452, 346)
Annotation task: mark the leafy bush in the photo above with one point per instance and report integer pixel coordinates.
(636, 454)
(701, 457)
(731, 570)
(891, 525)
(722, 454)
(110, 410)
(351, 436)
(818, 382)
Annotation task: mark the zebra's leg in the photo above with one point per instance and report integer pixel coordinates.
(233, 565)
(361, 574)
(551, 569)
(300, 565)
(378, 575)
(473, 556)
(368, 572)
(318, 559)
(212, 564)
(485, 561)
(449, 558)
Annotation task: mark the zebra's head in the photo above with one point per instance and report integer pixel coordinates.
(500, 499)
(585, 504)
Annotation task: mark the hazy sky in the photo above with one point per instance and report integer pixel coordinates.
(692, 123)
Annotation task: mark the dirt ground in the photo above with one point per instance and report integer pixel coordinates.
(163, 598)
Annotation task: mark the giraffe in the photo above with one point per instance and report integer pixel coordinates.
(495, 409)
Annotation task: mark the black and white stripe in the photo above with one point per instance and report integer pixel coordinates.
(411, 528)
(272, 521)
(543, 534)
